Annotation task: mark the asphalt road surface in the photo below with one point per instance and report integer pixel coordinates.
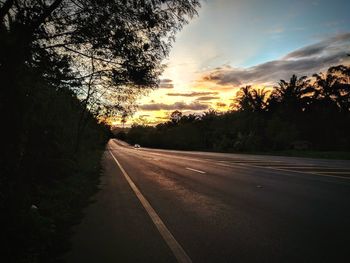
(177, 206)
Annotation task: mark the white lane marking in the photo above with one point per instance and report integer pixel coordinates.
(195, 170)
(175, 247)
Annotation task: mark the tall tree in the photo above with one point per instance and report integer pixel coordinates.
(342, 86)
(251, 99)
(293, 95)
(127, 39)
(330, 90)
(59, 39)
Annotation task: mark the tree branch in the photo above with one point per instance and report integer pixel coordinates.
(47, 12)
(88, 56)
(5, 8)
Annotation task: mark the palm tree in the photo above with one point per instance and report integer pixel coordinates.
(175, 117)
(325, 84)
(260, 98)
(292, 95)
(190, 118)
(341, 69)
(243, 99)
(333, 88)
(251, 99)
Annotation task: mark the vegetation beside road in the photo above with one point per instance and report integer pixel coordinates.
(65, 66)
(44, 196)
(303, 116)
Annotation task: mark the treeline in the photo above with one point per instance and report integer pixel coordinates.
(302, 113)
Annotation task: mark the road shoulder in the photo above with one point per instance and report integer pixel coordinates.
(116, 227)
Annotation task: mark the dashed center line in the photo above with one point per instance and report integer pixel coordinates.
(195, 170)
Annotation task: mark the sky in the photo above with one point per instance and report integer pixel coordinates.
(233, 43)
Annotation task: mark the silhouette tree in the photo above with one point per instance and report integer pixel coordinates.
(244, 99)
(327, 91)
(175, 117)
(190, 118)
(107, 52)
(291, 96)
(343, 70)
(127, 39)
(250, 99)
(260, 97)
(63, 64)
(209, 115)
(302, 112)
(343, 85)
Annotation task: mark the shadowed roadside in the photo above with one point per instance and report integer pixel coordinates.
(116, 228)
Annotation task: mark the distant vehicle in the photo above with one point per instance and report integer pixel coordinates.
(136, 146)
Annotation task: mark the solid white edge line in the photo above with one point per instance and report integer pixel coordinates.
(195, 170)
(174, 246)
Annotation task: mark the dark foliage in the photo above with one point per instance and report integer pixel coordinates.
(49, 175)
(300, 114)
(63, 65)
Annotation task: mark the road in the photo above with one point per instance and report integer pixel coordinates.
(177, 206)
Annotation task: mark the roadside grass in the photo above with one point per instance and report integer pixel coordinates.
(60, 206)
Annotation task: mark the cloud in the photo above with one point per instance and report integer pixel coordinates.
(335, 43)
(192, 94)
(166, 84)
(221, 104)
(276, 30)
(175, 106)
(166, 80)
(208, 98)
(305, 61)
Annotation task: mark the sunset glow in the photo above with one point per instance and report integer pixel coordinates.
(252, 43)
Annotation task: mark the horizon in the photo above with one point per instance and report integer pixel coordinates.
(250, 160)
(274, 45)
